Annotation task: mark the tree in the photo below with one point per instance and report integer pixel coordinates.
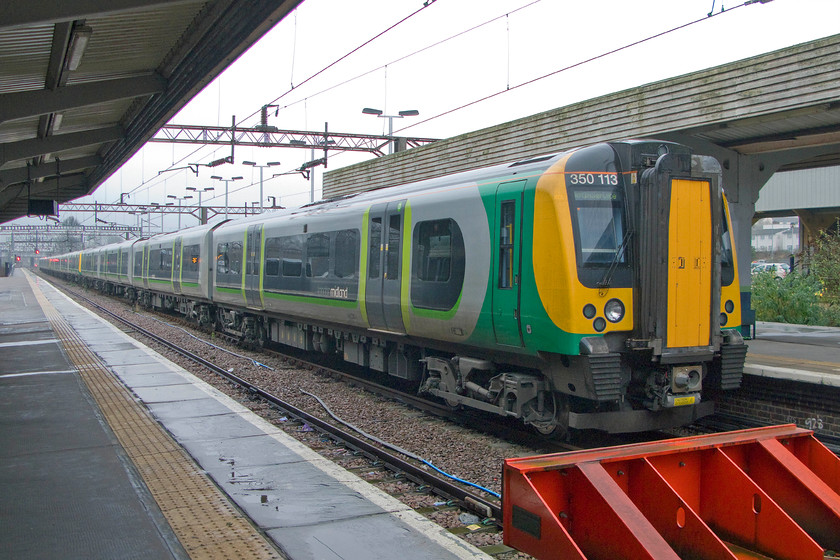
(825, 263)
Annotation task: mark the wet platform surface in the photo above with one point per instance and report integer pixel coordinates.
(54, 435)
(66, 486)
(798, 352)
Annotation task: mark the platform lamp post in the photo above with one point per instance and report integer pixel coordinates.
(254, 164)
(179, 199)
(202, 215)
(401, 114)
(226, 182)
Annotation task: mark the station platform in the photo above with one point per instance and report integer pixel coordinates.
(108, 450)
(800, 353)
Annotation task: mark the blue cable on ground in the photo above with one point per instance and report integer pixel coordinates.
(400, 449)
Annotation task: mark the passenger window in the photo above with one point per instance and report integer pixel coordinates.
(166, 260)
(434, 251)
(235, 258)
(222, 258)
(437, 265)
(346, 251)
(318, 255)
(272, 257)
(291, 257)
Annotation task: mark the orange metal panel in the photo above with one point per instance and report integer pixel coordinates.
(772, 491)
(806, 498)
(606, 523)
(738, 510)
(672, 516)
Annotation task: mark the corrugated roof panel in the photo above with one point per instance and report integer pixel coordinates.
(24, 56)
(808, 188)
(94, 116)
(127, 44)
(19, 129)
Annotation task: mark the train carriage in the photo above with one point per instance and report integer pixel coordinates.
(595, 288)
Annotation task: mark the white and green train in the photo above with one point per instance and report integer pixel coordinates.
(591, 289)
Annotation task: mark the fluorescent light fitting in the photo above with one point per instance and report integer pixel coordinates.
(78, 44)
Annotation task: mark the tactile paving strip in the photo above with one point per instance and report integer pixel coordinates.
(201, 516)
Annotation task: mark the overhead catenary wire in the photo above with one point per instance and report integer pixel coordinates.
(293, 87)
(507, 89)
(575, 65)
(344, 82)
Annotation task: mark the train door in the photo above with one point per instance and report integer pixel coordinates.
(508, 258)
(253, 268)
(176, 266)
(386, 223)
(689, 263)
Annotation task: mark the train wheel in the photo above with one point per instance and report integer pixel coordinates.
(557, 426)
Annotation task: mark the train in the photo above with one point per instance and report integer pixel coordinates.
(591, 289)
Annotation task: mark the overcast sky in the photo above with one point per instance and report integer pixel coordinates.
(526, 40)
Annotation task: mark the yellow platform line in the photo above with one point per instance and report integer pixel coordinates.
(201, 516)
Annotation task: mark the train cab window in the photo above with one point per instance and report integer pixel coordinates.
(392, 266)
(507, 221)
(222, 258)
(346, 253)
(318, 255)
(599, 223)
(374, 247)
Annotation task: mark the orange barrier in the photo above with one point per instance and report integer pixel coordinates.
(765, 492)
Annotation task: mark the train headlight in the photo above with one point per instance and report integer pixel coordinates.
(724, 318)
(589, 311)
(614, 311)
(729, 306)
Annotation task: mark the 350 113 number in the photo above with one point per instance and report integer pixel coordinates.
(606, 179)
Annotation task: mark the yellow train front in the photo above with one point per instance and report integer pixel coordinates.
(623, 281)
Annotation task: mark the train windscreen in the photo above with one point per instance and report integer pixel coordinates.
(599, 224)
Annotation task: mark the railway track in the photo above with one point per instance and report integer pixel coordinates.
(479, 504)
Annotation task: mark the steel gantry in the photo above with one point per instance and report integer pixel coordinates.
(267, 136)
(202, 213)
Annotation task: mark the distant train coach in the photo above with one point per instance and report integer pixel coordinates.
(591, 289)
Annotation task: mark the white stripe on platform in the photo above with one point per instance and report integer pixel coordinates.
(37, 373)
(28, 342)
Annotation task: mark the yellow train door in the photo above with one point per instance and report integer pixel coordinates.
(689, 264)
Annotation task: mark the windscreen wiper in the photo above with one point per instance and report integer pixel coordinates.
(605, 282)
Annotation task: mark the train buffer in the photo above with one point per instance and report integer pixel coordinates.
(769, 492)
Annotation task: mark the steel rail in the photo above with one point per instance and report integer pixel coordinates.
(445, 488)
